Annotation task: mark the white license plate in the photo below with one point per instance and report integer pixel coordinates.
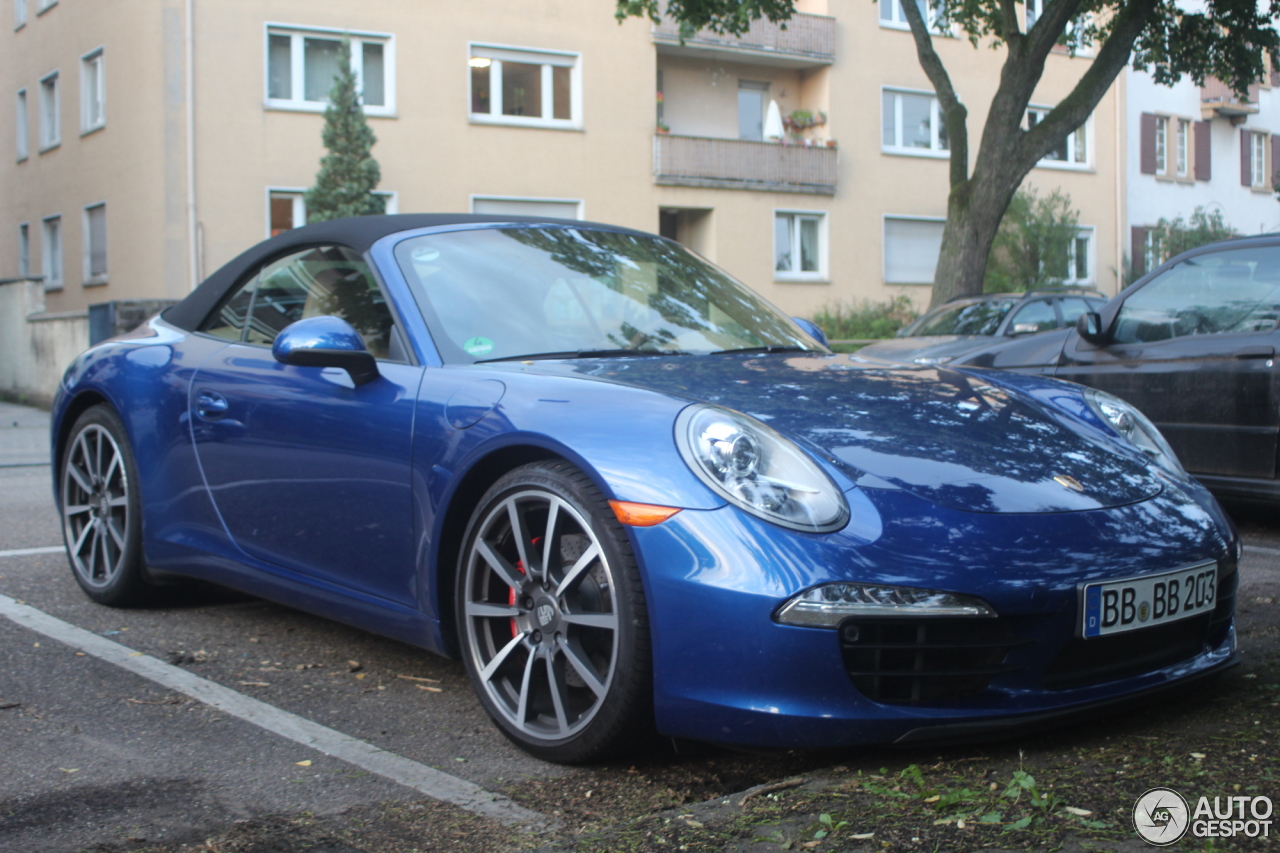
(1127, 605)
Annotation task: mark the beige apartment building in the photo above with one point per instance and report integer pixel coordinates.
(153, 140)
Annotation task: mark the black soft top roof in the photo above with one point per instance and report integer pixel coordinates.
(358, 233)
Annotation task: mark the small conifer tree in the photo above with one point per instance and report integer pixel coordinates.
(348, 173)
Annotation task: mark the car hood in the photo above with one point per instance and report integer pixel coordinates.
(962, 440)
(944, 347)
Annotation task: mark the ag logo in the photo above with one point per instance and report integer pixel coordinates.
(1161, 816)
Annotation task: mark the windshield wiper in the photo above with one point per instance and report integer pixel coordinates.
(767, 348)
(584, 353)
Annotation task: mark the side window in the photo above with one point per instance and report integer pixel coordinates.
(323, 281)
(228, 321)
(1035, 316)
(1073, 307)
(1230, 292)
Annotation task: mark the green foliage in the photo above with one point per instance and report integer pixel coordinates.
(721, 16)
(1177, 236)
(865, 319)
(1032, 248)
(348, 173)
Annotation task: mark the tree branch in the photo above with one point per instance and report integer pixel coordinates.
(1009, 21)
(954, 113)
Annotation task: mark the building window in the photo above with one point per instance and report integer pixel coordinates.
(24, 249)
(21, 126)
(50, 127)
(799, 245)
(517, 86)
(301, 65)
(44, 5)
(1035, 8)
(554, 208)
(1162, 144)
(1080, 258)
(285, 211)
(51, 252)
(1182, 153)
(1258, 160)
(1072, 151)
(95, 244)
(19, 14)
(912, 124)
(93, 92)
(893, 17)
(911, 247)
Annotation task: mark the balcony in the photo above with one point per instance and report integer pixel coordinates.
(1218, 99)
(808, 41)
(736, 164)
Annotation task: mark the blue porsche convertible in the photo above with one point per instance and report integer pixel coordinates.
(632, 496)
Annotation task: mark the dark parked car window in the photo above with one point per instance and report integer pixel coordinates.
(974, 318)
(1074, 306)
(1035, 316)
(330, 280)
(1227, 292)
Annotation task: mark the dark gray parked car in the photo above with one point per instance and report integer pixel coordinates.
(1192, 345)
(972, 323)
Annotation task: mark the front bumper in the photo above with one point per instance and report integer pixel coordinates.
(726, 671)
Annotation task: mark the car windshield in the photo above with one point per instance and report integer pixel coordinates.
(553, 291)
(971, 318)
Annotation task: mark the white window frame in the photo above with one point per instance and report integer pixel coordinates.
(1086, 232)
(884, 244)
(43, 6)
(89, 94)
(23, 125)
(935, 125)
(1162, 144)
(1258, 149)
(297, 66)
(1081, 135)
(496, 54)
(298, 197)
(581, 205)
(52, 223)
(50, 107)
(91, 280)
(898, 21)
(821, 273)
(19, 14)
(24, 249)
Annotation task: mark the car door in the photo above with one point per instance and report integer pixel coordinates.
(1194, 350)
(308, 471)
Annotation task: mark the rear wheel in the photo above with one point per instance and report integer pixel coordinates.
(552, 616)
(101, 513)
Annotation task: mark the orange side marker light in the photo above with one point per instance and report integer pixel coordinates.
(642, 515)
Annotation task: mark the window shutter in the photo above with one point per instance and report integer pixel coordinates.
(1275, 78)
(1246, 160)
(1204, 151)
(1275, 157)
(1138, 251)
(1148, 135)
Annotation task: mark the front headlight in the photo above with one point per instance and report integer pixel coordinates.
(755, 468)
(1135, 426)
(828, 605)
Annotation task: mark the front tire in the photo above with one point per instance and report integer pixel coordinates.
(552, 617)
(101, 511)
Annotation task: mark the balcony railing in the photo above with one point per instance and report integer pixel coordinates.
(1217, 98)
(807, 40)
(697, 161)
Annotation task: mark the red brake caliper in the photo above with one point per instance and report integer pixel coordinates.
(511, 594)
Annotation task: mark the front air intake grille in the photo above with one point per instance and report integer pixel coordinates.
(1083, 663)
(925, 661)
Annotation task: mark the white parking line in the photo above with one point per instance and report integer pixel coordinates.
(427, 780)
(27, 552)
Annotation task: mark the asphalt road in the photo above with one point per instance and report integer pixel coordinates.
(96, 755)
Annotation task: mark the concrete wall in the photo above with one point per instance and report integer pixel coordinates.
(36, 346)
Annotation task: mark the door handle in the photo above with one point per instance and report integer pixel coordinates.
(210, 405)
(1256, 352)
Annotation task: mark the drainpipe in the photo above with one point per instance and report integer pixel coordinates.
(193, 235)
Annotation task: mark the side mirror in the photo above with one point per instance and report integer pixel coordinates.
(326, 342)
(813, 330)
(1089, 326)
